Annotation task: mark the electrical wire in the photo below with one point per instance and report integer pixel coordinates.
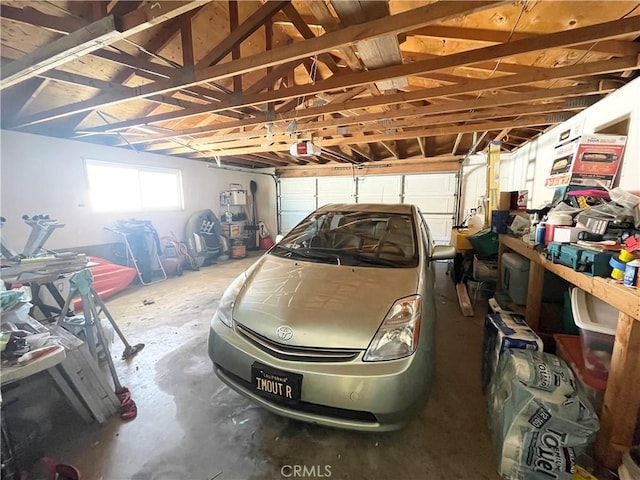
(513, 29)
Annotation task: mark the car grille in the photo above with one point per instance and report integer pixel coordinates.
(307, 407)
(298, 354)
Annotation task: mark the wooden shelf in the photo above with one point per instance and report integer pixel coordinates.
(625, 299)
(622, 396)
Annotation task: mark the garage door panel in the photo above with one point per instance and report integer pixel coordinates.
(294, 186)
(440, 227)
(335, 190)
(380, 189)
(288, 220)
(386, 198)
(324, 200)
(335, 186)
(435, 184)
(297, 200)
(305, 203)
(434, 194)
(435, 204)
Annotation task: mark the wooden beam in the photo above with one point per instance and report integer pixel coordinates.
(391, 147)
(613, 47)
(503, 133)
(400, 135)
(456, 144)
(36, 89)
(89, 82)
(186, 36)
(92, 37)
(422, 145)
(307, 34)
(61, 51)
(622, 396)
(364, 152)
(501, 66)
(150, 14)
(331, 24)
(31, 16)
(498, 100)
(377, 52)
(605, 30)
(313, 128)
(376, 28)
(245, 30)
(235, 50)
(430, 165)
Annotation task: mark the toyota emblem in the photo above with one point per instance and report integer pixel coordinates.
(284, 332)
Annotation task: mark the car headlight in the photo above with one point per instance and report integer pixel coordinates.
(398, 335)
(225, 307)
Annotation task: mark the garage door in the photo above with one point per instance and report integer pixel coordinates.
(297, 200)
(433, 193)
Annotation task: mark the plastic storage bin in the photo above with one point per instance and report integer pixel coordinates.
(515, 277)
(597, 322)
(485, 243)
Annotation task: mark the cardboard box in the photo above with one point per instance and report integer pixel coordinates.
(588, 161)
(515, 200)
(459, 240)
(597, 160)
(562, 163)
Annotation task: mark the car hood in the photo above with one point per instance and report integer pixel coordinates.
(325, 305)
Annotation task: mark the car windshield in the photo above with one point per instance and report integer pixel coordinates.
(368, 239)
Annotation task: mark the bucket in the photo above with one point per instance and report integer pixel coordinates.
(266, 243)
(238, 251)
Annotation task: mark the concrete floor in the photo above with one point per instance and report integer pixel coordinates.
(191, 426)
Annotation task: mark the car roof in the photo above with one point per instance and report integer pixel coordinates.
(403, 208)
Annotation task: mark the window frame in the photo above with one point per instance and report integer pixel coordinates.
(138, 169)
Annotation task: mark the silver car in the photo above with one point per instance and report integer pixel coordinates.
(335, 324)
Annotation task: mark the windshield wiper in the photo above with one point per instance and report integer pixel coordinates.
(316, 254)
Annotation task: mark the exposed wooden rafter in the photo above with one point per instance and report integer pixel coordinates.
(239, 80)
(94, 36)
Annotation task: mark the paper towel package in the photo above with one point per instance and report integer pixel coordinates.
(502, 331)
(540, 422)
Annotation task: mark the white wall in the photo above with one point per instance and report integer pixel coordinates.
(44, 175)
(529, 166)
(474, 184)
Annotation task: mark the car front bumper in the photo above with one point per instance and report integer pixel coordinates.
(357, 395)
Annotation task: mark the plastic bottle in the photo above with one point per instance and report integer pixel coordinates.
(475, 223)
(541, 231)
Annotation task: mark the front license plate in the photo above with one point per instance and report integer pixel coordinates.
(276, 384)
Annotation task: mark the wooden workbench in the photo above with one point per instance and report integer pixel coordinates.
(622, 396)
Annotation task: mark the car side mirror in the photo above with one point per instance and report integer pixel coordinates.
(443, 252)
(279, 237)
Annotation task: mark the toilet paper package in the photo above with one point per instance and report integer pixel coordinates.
(503, 331)
(539, 420)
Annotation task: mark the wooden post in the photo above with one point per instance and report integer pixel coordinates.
(622, 397)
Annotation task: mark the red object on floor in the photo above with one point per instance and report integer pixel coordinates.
(60, 471)
(128, 408)
(108, 279)
(571, 345)
(266, 243)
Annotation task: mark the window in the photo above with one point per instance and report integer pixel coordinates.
(129, 188)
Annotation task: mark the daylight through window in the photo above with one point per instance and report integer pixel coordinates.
(128, 188)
